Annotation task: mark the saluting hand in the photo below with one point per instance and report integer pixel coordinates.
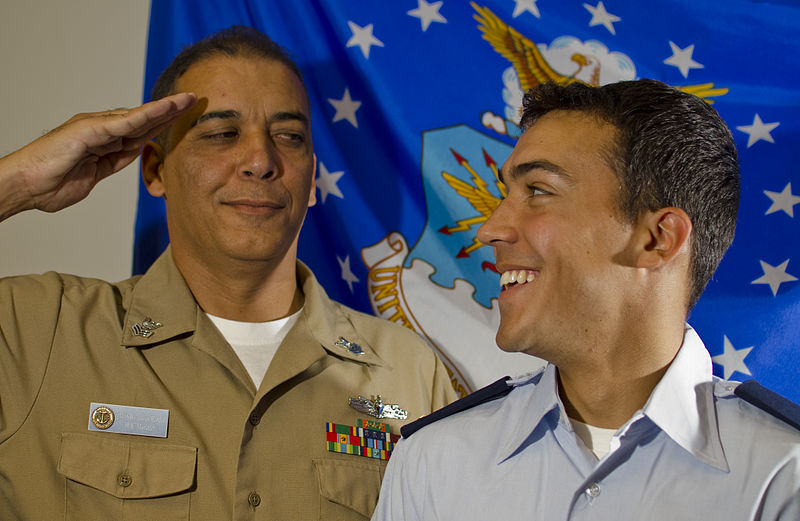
(61, 168)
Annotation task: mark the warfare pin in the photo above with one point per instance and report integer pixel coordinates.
(376, 408)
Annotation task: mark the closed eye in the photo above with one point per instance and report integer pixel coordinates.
(222, 135)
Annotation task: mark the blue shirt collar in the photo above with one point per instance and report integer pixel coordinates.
(681, 405)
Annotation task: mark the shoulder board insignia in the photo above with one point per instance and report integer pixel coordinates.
(490, 392)
(769, 401)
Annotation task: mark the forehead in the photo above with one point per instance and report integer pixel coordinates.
(573, 142)
(244, 79)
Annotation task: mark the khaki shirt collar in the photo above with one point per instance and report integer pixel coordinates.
(162, 296)
(328, 323)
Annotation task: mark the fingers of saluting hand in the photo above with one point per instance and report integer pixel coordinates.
(127, 129)
(61, 167)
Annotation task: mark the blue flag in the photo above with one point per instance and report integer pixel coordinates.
(415, 107)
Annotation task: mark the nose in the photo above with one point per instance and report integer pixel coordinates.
(498, 229)
(258, 158)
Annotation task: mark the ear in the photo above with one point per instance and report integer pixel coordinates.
(152, 163)
(662, 235)
(312, 197)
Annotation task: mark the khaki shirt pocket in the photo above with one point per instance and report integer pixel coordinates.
(124, 479)
(350, 483)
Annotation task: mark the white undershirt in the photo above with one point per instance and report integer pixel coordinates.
(255, 343)
(596, 439)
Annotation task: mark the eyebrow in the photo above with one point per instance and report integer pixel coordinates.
(232, 114)
(290, 116)
(521, 169)
(219, 114)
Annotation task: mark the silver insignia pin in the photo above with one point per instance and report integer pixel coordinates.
(145, 329)
(377, 408)
(350, 346)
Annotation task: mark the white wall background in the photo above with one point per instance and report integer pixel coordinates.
(59, 58)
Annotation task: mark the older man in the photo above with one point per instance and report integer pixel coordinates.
(621, 202)
(205, 389)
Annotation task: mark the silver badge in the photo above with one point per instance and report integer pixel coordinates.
(350, 346)
(377, 408)
(145, 329)
(126, 419)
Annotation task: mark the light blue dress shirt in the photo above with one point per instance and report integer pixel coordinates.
(695, 451)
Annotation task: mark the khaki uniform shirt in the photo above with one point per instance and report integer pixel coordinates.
(232, 451)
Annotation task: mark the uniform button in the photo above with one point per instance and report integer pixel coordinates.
(124, 480)
(255, 419)
(254, 499)
(593, 490)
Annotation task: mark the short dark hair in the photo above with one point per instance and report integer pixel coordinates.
(237, 40)
(672, 149)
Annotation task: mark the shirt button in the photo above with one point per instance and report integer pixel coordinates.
(254, 499)
(255, 419)
(593, 490)
(124, 480)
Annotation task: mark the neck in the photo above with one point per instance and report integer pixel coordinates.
(608, 387)
(246, 291)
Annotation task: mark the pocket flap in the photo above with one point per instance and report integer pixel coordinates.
(353, 484)
(127, 468)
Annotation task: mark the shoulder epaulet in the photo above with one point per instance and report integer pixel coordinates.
(769, 401)
(483, 395)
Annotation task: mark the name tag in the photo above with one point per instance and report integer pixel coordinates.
(123, 419)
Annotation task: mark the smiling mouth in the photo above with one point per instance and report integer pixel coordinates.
(516, 278)
(255, 207)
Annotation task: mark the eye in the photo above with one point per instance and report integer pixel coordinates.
(536, 191)
(291, 138)
(222, 135)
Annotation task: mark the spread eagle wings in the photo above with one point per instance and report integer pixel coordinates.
(523, 54)
(531, 66)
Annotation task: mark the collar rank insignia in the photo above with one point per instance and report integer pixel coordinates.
(350, 346)
(368, 438)
(377, 408)
(145, 329)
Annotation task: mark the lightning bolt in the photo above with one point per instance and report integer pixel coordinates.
(484, 207)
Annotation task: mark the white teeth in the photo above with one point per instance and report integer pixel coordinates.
(517, 276)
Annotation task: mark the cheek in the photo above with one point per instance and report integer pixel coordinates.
(191, 175)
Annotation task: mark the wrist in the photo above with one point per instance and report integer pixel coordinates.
(14, 197)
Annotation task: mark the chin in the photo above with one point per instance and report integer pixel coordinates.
(508, 343)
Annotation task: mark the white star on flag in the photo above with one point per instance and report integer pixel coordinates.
(362, 36)
(347, 273)
(682, 59)
(525, 6)
(602, 17)
(427, 13)
(758, 130)
(774, 276)
(326, 182)
(782, 200)
(732, 359)
(345, 108)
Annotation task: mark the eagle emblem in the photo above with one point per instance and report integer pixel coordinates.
(532, 68)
